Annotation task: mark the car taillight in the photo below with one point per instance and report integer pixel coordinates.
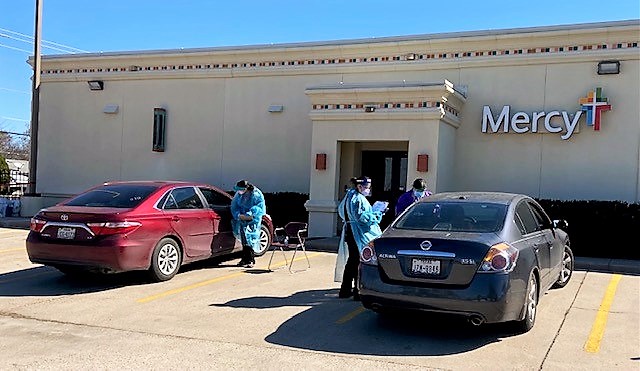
(368, 255)
(501, 257)
(36, 225)
(109, 228)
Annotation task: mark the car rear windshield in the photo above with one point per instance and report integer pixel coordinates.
(476, 217)
(120, 196)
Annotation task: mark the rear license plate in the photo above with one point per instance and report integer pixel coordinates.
(67, 233)
(425, 266)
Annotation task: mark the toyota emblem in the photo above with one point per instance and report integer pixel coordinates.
(64, 217)
(425, 245)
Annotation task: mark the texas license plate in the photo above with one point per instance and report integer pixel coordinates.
(66, 233)
(425, 266)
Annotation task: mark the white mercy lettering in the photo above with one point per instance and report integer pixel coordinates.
(521, 122)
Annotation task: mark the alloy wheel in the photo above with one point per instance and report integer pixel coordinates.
(168, 259)
(567, 263)
(532, 300)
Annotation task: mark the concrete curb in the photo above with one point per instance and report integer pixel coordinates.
(15, 222)
(607, 265)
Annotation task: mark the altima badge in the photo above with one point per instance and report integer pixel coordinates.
(425, 245)
(64, 217)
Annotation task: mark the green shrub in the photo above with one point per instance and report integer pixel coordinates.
(602, 229)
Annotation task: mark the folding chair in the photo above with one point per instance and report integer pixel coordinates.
(292, 236)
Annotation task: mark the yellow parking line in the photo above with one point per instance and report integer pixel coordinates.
(597, 331)
(208, 282)
(11, 250)
(351, 315)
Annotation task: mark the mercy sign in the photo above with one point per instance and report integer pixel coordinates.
(520, 122)
(593, 104)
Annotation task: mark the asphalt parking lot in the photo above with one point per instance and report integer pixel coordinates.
(214, 315)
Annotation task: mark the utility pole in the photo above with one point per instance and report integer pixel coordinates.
(35, 101)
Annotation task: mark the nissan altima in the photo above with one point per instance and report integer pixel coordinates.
(486, 256)
(143, 225)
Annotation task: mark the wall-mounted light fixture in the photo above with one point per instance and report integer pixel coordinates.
(608, 67)
(96, 85)
(110, 108)
(321, 161)
(276, 108)
(423, 163)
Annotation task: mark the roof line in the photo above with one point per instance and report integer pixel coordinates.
(386, 39)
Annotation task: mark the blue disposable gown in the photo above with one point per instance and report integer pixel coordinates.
(249, 203)
(365, 223)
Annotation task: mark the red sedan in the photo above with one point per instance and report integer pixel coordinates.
(143, 225)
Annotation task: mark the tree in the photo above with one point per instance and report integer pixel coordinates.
(14, 146)
(5, 174)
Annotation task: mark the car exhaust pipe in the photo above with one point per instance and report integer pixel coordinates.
(476, 320)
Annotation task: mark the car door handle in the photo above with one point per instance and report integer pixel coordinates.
(175, 218)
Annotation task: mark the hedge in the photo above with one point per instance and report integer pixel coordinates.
(602, 229)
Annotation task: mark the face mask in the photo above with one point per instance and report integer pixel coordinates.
(418, 194)
(241, 192)
(366, 192)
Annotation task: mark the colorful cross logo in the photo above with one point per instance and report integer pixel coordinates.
(594, 104)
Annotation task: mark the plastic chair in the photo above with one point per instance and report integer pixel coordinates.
(292, 236)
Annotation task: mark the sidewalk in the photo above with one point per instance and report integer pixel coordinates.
(330, 244)
(15, 222)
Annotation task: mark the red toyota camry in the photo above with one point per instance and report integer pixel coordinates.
(142, 225)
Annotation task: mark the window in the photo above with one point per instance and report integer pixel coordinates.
(121, 196)
(215, 198)
(529, 222)
(454, 216)
(541, 217)
(183, 198)
(159, 129)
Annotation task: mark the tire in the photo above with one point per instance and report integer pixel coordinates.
(530, 305)
(265, 240)
(166, 260)
(566, 269)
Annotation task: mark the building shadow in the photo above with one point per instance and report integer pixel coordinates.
(344, 326)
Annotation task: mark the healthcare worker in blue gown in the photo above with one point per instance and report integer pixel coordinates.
(361, 226)
(247, 209)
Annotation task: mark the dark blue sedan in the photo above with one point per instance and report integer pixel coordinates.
(484, 255)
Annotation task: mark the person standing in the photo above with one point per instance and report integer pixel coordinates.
(415, 194)
(247, 209)
(361, 226)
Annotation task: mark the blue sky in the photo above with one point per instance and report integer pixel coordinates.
(124, 25)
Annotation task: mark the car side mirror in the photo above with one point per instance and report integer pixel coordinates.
(560, 223)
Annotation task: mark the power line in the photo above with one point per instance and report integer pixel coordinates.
(13, 119)
(14, 133)
(14, 48)
(15, 91)
(70, 49)
(31, 42)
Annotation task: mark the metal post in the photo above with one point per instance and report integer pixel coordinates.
(35, 101)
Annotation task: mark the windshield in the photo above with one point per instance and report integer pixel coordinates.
(454, 216)
(120, 196)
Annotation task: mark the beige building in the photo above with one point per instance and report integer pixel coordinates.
(552, 112)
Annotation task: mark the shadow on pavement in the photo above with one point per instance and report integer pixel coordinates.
(343, 326)
(48, 281)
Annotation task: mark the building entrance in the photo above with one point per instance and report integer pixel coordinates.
(388, 173)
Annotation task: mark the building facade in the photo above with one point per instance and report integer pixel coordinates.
(552, 112)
